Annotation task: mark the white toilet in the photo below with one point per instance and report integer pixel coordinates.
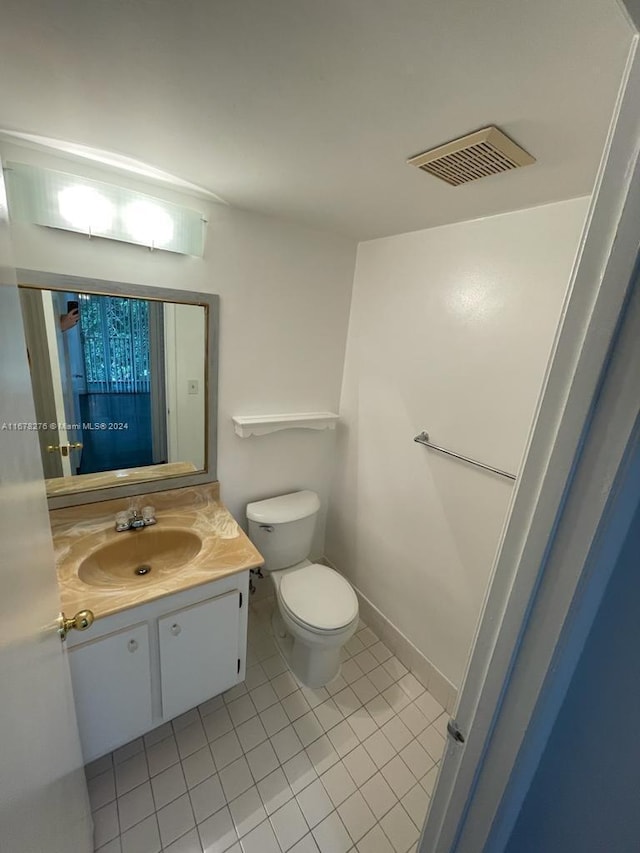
(317, 609)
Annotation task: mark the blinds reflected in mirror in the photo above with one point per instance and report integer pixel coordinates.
(115, 342)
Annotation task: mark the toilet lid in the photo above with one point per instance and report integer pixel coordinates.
(319, 597)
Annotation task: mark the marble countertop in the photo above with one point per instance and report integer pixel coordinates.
(79, 530)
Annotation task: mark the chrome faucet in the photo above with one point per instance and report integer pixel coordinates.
(133, 519)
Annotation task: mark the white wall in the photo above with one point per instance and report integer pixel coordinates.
(185, 348)
(450, 331)
(284, 301)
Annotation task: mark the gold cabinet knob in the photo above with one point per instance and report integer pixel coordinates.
(80, 622)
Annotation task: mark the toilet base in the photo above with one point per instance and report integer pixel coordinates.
(313, 665)
(284, 640)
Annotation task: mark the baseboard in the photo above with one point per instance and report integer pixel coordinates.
(436, 683)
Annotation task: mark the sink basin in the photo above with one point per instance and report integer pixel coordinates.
(139, 557)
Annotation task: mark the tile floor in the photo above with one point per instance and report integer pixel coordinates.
(273, 766)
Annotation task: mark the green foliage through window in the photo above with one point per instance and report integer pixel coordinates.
(115, 343)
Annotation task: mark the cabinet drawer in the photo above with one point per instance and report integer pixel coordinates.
(112, 689)
(198, 652)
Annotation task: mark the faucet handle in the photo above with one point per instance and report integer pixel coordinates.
(122, 520)
(149, 514)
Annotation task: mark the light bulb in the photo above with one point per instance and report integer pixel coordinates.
(148, 223)
(85, 209)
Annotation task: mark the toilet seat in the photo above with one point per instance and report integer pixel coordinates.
(318, 598)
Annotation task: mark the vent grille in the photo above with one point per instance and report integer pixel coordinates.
(477, 155)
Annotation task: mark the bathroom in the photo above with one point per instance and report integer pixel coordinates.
(398, 308)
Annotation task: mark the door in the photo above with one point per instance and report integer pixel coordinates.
(158, 389)
(199, 652)
(111, 679)
(59, 377)
(35, 331)
(65, 346)
(44, 806)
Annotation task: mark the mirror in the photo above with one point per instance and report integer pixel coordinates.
(123, 379)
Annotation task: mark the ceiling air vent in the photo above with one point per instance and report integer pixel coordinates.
(477, 155)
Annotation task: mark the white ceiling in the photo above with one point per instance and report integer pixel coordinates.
(308, 109)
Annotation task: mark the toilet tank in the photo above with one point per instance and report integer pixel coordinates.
(282, 528)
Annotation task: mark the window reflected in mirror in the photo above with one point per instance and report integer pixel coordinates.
(119, 385)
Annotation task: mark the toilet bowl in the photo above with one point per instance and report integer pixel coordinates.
(317, 608)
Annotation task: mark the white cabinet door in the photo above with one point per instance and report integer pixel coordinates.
(198, 652)
(112, 689)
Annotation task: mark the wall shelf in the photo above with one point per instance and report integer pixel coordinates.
(246, 425)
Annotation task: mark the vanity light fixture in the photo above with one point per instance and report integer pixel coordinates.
(71, 203)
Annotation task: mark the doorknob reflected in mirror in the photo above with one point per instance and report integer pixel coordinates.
(64, 448)
(80, 622)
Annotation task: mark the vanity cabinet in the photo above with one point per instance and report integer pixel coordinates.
(142, 667)
(105, 671)
(198, 652)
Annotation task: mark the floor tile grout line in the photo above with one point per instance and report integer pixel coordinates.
(256, 783)
(199, 717)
